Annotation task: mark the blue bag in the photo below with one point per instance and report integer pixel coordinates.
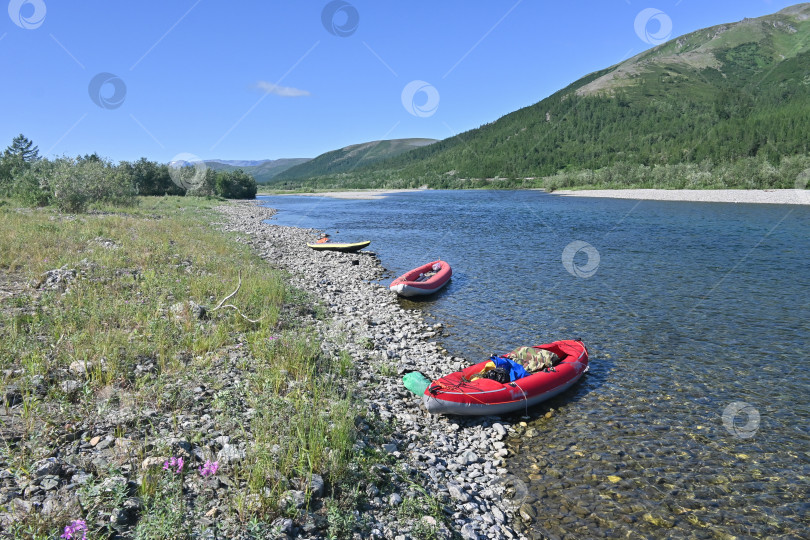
(516, 371)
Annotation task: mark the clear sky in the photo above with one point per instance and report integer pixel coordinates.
(257, 79)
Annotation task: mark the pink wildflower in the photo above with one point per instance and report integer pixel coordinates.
(210, 468)
(173, 462)
(74, 528)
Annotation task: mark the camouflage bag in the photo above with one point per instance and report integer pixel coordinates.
(534, 359)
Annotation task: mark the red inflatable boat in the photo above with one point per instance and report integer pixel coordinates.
(462, 393)
(427, 279)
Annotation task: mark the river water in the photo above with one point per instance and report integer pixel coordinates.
(693, 420)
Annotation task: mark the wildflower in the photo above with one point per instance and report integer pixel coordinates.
(173, 462)
(210, 468)
(75, 528)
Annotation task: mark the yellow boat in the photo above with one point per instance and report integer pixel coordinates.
(337, 246)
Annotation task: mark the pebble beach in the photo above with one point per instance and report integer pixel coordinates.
(458, 460)
(756, 196)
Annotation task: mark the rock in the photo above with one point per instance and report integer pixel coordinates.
(528, 513)
(395, 499)
(105, 443)
(293, 498)
(317, 485)
(390, 448)
(188, 310)
(58, 278)
(152, 461)
(230, 453)
(13, 396)
(49, 484)
(469, 457)
(48, 466)
(468, 532)
(20, 508)
(282, 525)
(118, 516)
(458, 493)
(70, 386)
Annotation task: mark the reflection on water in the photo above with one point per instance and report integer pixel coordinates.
(693, 419)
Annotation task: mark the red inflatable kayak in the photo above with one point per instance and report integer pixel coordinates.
(462, 393)
(427, 279)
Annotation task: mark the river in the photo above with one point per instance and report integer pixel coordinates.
(693, 420)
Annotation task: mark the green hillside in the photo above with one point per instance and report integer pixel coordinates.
(262, 172)
(350, 158)
(726, 106)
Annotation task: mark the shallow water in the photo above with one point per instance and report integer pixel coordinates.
(693, 421)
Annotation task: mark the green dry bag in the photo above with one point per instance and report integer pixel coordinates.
(416, 382)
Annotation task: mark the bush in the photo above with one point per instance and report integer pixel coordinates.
(235, 185)
(31, 185)
(74, 185)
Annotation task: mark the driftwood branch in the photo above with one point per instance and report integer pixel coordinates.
(222, 303)
(241, 314)
(230, 295)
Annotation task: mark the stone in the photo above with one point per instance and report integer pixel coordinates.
(70, 386)
(469, 457)
(317, 485)
(230, 454)
(188, 310)
(458, 493)
(48, 466)
(468, 532)
(390, 448)
(528, 513)
(49, 484)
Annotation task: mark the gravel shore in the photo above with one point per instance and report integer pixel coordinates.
(760, 196)
(457, 460)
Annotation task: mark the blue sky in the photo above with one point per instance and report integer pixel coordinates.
(264, 79)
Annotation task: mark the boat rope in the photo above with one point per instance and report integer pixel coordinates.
(525, 397)
(459, 386)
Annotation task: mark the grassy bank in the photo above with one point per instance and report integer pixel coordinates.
(98, 327)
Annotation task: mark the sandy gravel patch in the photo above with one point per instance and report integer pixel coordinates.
(770, 196)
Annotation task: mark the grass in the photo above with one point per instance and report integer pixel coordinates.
(118, 334)
(130, 268)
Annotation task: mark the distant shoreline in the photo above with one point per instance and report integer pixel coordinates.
(746, 196)
(754, 196)
(360, 194)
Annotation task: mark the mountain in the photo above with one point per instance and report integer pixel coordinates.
(726, 106)
(241, 162)
(352, 157)
(262, 170)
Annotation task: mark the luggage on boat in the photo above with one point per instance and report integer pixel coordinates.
(534, 359)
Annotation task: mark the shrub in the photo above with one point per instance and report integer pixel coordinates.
(74, 185)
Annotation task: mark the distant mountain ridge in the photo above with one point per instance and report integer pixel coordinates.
(243, 162)
(732, 93)
(351, 157)
(262, 170)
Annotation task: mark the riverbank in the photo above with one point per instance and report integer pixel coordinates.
(455, 460)
(753, 196)
(161, 379)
